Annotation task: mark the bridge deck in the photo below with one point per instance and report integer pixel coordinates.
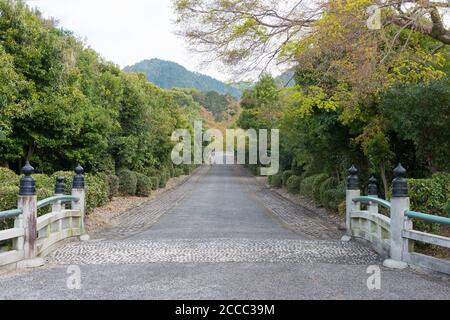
(220, 235)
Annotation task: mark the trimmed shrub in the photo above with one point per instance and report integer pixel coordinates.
(155, 182)
(332, 198)
(286, 175)
(187, 169)
(144, 185)
(163, 178)
(44, 193)
(293, 184)
(8, 197)
(328, 184)
(318, 180)
(113, 186)
(44, 181)
(178, 172)
(430, 196)
(277, 181)
(8, 177)
(96, 191)
(171, 169)
(68, 179)
(306, 187)
(127, 182)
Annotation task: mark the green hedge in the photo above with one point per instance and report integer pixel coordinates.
(286, 175)
(163, 178)
(293, 184)
(8, 177)
(127, 182)
(328, 184)
(317, 182)
(430, 196)
(178, 172)
(113, 186)
(275, 181)
(97, 191)
(155, 182)
(144, 185)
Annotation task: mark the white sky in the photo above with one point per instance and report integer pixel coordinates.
(126, 31)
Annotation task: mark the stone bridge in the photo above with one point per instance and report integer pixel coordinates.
(220, 235)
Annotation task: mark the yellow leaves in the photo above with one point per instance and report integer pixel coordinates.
(302, 102)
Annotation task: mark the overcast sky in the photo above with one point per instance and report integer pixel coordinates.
(125, 31)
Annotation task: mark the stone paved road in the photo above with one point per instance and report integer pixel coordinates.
(220, 235)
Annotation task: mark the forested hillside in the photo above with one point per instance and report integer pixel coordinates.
(168, 75)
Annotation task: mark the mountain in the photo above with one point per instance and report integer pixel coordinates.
(168, 75)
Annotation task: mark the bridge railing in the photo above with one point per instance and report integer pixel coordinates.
(34, 236)
(392, 236)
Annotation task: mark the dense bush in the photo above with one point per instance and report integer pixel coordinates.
(286, 175)
(178, 172)
(8, 197)
(275, 181)
(155, 182)
(326, 185)
(293, 184)
(97, 190)
(318, 180)
(143, 186)
(127, 182)
(430, 196)
(163, 178)
(8, 177)
(113, 186)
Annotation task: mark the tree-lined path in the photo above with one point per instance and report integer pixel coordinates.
(219, 235)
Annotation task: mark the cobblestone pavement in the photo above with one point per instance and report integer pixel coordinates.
(219, 235)
(214, 251)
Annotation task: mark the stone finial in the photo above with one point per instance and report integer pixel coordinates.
(372, 188)
(400, 183)
(78, 179)
(353, 180)
(59, 186)
(27, 183)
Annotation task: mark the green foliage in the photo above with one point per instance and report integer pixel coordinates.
(286, 175)
(318, 180)
(155, 182)
(178, 172)
(8, 197)
(8, 177)
(307, 186)
(326, 185)
(113, 182)
(97, 191)
(421, 113)
(62, 104)
(144, 185)
(293, 184)
(430, 196)
(163, 178)
(127, 182)
(275, 181)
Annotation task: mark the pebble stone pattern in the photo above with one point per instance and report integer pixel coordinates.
(291, 215)
(321, 242)
(214, 251)
(146, 215)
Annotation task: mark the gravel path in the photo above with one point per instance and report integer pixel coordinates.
(219, 235)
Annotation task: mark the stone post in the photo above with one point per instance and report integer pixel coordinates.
(27, 201)
(372, 191)
(79, 191)
(399, 204)
(353, 191)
